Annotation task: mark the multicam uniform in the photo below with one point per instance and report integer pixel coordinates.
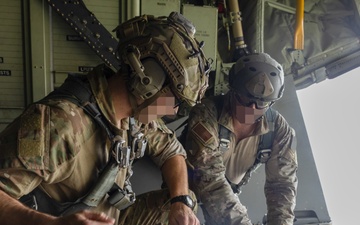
(59, 148)
(211, 167)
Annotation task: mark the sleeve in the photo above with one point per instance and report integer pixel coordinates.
(22, 152)
(162, 143)
(36, 145)
(281, 175)
(207, 171)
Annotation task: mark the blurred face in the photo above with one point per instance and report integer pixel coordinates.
(247, 113)
(164, 105)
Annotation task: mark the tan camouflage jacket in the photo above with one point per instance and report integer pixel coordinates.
(210, 167)
(60, 148)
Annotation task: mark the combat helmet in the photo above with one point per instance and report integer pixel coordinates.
(257, 78)
(163, 53)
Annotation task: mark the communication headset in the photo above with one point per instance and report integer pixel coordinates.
(140, 83)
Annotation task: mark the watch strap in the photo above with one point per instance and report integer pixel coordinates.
(186, 199)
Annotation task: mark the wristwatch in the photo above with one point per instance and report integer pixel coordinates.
(186, 199)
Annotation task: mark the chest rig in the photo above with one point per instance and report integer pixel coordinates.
(77, 90)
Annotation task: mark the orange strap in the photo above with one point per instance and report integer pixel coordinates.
(299, 29)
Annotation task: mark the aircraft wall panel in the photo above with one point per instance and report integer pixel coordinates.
(11, 62)
(205, 20)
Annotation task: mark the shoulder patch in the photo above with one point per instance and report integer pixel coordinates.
(201, 132)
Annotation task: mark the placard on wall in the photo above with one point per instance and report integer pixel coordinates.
(159, 7)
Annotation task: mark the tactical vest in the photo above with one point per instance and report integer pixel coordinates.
(77, 90)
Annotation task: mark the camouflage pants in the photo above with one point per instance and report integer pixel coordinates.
(151, 208)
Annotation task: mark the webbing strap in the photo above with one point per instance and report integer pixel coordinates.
(266, 140)
(74, 89)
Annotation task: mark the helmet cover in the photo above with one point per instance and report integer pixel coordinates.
(174, 52)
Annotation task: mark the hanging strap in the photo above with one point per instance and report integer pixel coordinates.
(224, 133)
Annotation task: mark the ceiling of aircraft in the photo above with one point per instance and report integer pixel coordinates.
(315, 41)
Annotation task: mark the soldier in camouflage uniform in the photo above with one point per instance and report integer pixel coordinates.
(256, 82)
(57, 148)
